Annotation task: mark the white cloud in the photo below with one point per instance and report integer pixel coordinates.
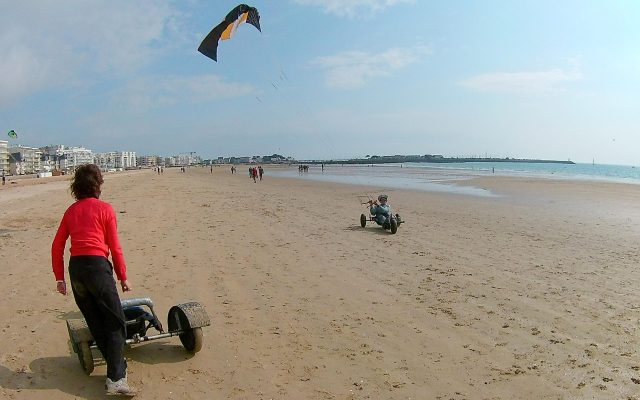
(351, 8)
(522, 82)
(152, 92)
(353, 69)
(46, 43)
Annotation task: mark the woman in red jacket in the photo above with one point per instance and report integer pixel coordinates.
(91, 223)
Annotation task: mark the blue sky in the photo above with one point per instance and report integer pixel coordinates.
(327, 78)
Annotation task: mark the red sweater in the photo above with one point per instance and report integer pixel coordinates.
(91, 223)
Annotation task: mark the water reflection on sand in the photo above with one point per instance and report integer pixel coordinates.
(389, 177)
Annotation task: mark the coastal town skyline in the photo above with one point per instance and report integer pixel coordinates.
(326, 79)
(19, 159)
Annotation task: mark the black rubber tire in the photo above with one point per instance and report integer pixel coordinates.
(85, 357)
(394, 226)
(398, 219)
(363, 220)
(192, 340)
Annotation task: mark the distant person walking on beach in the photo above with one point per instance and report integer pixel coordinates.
(91, 224)
(254, 173)
(260, 171)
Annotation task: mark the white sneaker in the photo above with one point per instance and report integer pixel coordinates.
(119, 388)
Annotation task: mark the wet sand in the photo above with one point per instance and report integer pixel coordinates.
(530, 294)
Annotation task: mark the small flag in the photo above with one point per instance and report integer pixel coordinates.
(12, 134)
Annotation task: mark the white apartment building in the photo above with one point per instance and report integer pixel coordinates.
(24, 160)
(182, 160)
(74, 157)
(149, 161)
(51, 156)
(105, 161)
(128, 159)
(4, 157)
(115, 159)
(179, 160)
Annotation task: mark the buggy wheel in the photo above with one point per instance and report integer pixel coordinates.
(85, 357)
(192, 340)
(363, 220)
(394, 226)
(399, 219)
(188, 318)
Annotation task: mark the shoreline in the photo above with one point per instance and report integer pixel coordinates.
(446, 181)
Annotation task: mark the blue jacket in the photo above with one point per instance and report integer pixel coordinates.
(381, 210)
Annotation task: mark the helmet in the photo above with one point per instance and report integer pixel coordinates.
(382, 197)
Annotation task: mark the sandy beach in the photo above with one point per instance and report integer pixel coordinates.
(530, 294)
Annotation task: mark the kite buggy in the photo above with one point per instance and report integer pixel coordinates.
(185, 321)
(381, 214)
(392, 222)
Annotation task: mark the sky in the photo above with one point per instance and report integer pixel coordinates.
(326, 79)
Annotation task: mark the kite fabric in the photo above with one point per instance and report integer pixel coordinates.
(227, 28)
(12, 134)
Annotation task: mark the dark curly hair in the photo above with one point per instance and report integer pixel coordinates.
(86, 182)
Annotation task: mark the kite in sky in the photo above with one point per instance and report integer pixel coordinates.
(227, 28)
(12, 134)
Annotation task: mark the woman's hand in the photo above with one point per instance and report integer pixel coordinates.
(62, 288)
(126, 286)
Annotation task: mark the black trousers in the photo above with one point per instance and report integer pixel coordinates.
(97, 298)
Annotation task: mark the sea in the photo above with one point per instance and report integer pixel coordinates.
(443, 177)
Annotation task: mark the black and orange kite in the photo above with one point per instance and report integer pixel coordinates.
(227, 28)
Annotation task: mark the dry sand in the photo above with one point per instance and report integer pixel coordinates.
(529, 295)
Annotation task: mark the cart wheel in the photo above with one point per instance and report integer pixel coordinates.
(188, 318)
(363, 220)
(192, 340)
(394, 226)
(399, 219)
(85, 357)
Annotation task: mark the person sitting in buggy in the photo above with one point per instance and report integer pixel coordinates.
(380, 211)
